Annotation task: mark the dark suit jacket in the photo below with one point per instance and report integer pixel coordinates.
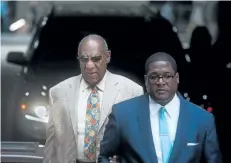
(128, 133)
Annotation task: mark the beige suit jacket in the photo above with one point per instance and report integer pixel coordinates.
(61, 138)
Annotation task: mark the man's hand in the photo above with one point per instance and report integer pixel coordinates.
(114, 159)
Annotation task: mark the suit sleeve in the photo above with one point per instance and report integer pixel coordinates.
(211, 148)
(111, 140)
(50, 136)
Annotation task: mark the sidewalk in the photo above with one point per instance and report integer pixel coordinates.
(24, 152)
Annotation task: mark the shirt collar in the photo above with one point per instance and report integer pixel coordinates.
(100, 85)
(172, 108)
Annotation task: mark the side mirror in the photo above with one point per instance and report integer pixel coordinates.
(17, 58)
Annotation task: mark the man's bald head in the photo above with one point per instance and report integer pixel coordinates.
(93, 40)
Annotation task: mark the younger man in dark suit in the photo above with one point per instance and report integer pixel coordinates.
(161, 126)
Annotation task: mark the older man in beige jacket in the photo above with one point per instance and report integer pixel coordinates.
(80, 105)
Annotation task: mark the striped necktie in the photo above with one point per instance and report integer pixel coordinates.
(166, 144)
(92, 123)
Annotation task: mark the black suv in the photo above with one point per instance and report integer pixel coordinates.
(132, 33)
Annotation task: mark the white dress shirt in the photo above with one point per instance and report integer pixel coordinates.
(171, 114)
(84, 93)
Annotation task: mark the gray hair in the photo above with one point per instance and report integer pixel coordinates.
(96, 38)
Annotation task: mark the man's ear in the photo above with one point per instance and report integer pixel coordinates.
(108, 56)
(177, 78)
(146, 83)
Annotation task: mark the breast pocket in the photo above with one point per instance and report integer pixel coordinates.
(192, 149)
(193, 142)
(193, 145)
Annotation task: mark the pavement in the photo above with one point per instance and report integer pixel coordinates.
(21, 152)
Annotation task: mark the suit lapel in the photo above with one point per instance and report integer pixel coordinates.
(143, 119)
(181, 131)
(109, 95)
(72, 100)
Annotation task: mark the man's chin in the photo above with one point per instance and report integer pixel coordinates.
(163, 100)
(160, 98)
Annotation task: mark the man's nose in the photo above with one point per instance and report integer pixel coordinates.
(90, 64)
(160, 81)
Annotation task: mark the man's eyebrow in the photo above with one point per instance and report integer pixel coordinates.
(160, 72)
(86, 53)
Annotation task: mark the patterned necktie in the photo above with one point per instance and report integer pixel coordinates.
(92, 123)
(166, 144)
